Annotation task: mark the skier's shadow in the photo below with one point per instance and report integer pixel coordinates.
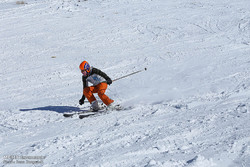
(59, 109)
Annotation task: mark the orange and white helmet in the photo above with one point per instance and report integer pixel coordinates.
(85, 68)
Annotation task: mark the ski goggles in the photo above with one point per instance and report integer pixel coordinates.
(84, 72)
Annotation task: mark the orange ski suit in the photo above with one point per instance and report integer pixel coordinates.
(100, 89)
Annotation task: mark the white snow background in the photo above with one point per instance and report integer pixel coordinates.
(191, 108)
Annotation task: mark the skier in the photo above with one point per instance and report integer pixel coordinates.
(100, 82)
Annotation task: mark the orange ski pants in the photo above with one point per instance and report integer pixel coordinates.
(100, 90)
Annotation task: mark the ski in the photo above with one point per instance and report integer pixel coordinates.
(71, 114)
(87, 113)
(84, 116)
(95, 113)
(75, 113)
(103, 111)
(90, 111)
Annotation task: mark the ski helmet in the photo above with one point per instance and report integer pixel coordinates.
(85, 68)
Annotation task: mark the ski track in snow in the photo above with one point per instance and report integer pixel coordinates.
(189, 109)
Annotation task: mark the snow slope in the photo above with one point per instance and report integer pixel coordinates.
(189, 109)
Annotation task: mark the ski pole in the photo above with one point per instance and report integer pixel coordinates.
(130, 74)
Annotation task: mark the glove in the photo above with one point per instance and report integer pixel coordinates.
(109, 81)
(81, 101)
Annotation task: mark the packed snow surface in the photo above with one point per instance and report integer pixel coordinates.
(191, 108)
